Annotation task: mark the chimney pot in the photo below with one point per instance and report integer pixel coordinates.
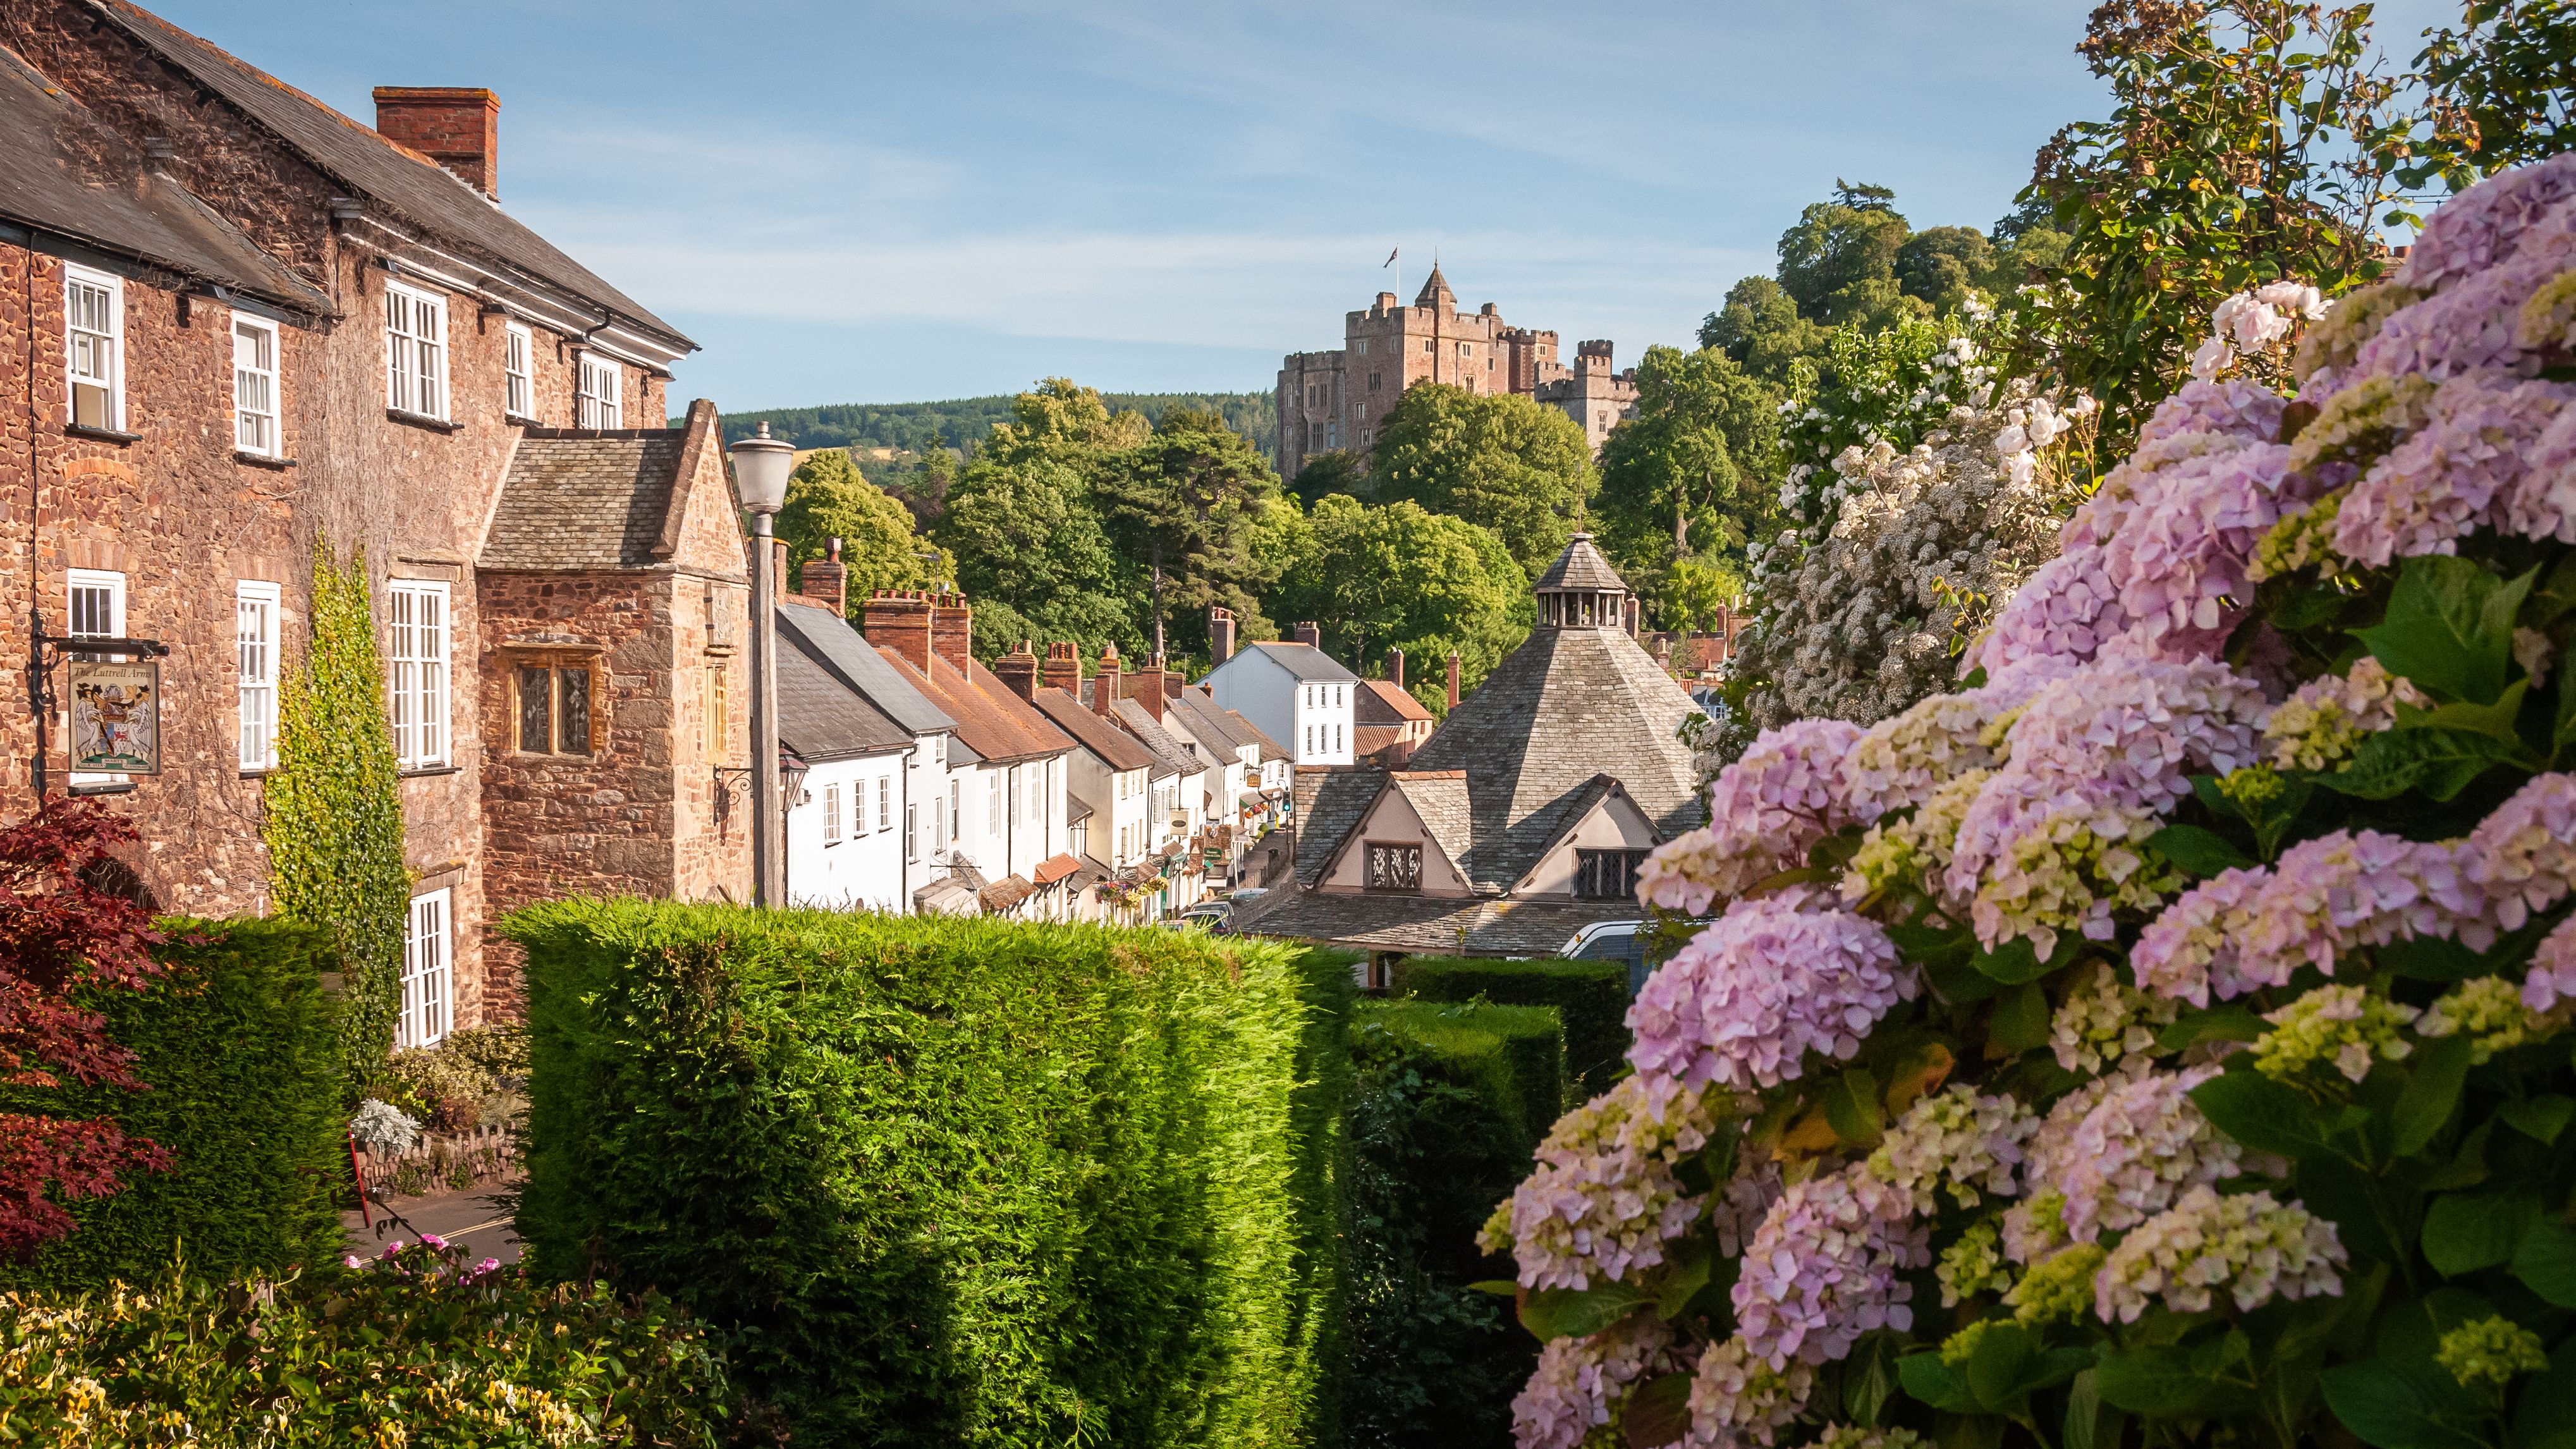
(1104, 689)
(1220, 635)
(1395, 667)
(1018, 671)
(1453, 679)
(1063, 668)
(827, 579)
(459, 127)
(952, 629)
(1308, 634)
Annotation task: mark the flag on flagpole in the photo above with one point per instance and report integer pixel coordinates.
(1390, 259)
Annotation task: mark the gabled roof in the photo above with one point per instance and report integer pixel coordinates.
(1329, 803)
(67, 172)
(1113, 746)
(992, 721)
(1305, 661)
(1438, 799)
(1579, 807)
(1435, 291)
(401, 180)
(1567, 706)
(585, 498)
(1381, 702)
(1270, 749)
(1580, 569)
(1171, 757)
(1206, 724)
(823, 719)
(829, 640)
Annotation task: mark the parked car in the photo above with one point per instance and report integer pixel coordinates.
(1613, 941)
(1211, 915)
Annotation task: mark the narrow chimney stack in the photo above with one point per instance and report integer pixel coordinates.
(459, 127)
(899, 619)
(1220, 635)
(1104, 689)
(1453, 679)
(1063, 668)
(1308, 634)
(952, 630)
(1149, 685)
(1395, 667)
(1018, 671)
(828, 579)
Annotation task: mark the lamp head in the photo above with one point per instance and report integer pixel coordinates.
(760, 468)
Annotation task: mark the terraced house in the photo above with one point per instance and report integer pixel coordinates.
(238, 324)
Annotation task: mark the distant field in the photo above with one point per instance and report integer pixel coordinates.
(963, 422)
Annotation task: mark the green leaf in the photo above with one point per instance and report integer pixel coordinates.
(1499, 1287)
(1553, 1313)
(2486, 719)
(2563, 732)
(1936, 1383)
(2546, 1406)
(2539, 1118)
(2217, 1023)
(2161, 1383)
(2021, 1019)
(2553, 598)
(2432, 958)
(1659, 1413)
(2440, 1067)
(1869, 1377)
(1851, 1107)
(1934, 946)
(2342, 1194)
(1691, 1261)
(2004, 1353)
(2084, 1415)
(2017, 961)
(2545, 1260)
(2263, 1114)
(2467, 1167)
(2449, 628)
(2439, 762)
(2199, 852)
(1959, 983)
(2403, 1406)
(2467, 1231)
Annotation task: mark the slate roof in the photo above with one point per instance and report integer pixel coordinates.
(401, 180)
(1329, 803)
(1582, 570)
(828, 639)
(1381, 702)
(823, 719)
(1270, 748)
(65, 171)
(1567, 705)
(1171, 757)
(1435, 290)
(1305, 661)
(1431, 924)
(585, 498)
(1440, 798)
(992, 721)
(1206, 724)
(1115, 747)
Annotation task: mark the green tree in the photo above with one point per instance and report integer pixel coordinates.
(1692, 476)
(333, 820)
(1501, 462)
(1025, 537)
(1183, 505)
(1062, 420)
(1337, 471)
(1759, 326)
(1400, 576)
(1838, 263)
(828, 499)
(1941, 265)
(2500, 91)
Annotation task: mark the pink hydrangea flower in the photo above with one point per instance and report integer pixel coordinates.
(2483, 225)
(2140, 1146)
(2469, 465)
(2233, 407)
(2553, 969)
(1765, 810)
(2064, 611)
(2522, 858)
(2180, 562)
(1737, 1400)
(1821, 1271)
(2249, 929)
(1580, 1382)
(1605, 1199)
(1745, 1001)
(2248, 1244)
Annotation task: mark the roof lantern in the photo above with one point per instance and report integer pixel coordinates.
(1581, 591)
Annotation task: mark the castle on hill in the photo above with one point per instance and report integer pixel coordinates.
(1336, 400)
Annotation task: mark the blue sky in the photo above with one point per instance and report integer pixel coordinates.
(877, 203)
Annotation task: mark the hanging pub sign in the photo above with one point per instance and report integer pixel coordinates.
(116, 717)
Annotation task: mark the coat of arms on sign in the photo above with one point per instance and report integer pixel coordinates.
(116, 717)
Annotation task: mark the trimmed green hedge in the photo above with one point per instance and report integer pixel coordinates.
(1441, 1127)
(240, 1047)
(948, 1181)
(1592, 997)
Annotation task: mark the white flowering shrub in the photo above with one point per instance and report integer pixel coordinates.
(2162, 1039)
(1865, 611)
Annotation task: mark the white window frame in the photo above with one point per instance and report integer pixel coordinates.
(256, 606)
(992, 802)
(832, 812)
(885, 802)
(429, 975)
(593, 408)
(421, 638)
(92, 358)
(258, 405)
(415, 351)
(518, 378)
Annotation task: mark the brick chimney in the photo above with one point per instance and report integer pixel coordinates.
(952, 630)
(1018, 670)
(459, 127)
(1220, 635)
(1395, 667)
(1063, 668)
(828, 579)
(899, 619)
(1453, 679)
(1149, 686)
(1104, 688)
(1307, 633)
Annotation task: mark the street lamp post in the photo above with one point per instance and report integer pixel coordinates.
(760, 468)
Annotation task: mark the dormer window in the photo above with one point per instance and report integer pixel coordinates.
(1394, 865)
(1607, 875)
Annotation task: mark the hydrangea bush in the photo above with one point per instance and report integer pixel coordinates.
(2159, 1039)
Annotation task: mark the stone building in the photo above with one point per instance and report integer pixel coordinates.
(253, 324)
(1523, 819)
(1335, 401)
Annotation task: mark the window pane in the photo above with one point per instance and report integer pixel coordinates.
(533, 734)
(573, 733)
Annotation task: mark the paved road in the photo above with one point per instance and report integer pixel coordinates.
(471, 1219)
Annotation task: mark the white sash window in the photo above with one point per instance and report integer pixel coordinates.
(520, 394)
(94, 346)
(427, 984)
(255, 386)
(418, 665)
(599, 403)
(255, 606)
(415, 352)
